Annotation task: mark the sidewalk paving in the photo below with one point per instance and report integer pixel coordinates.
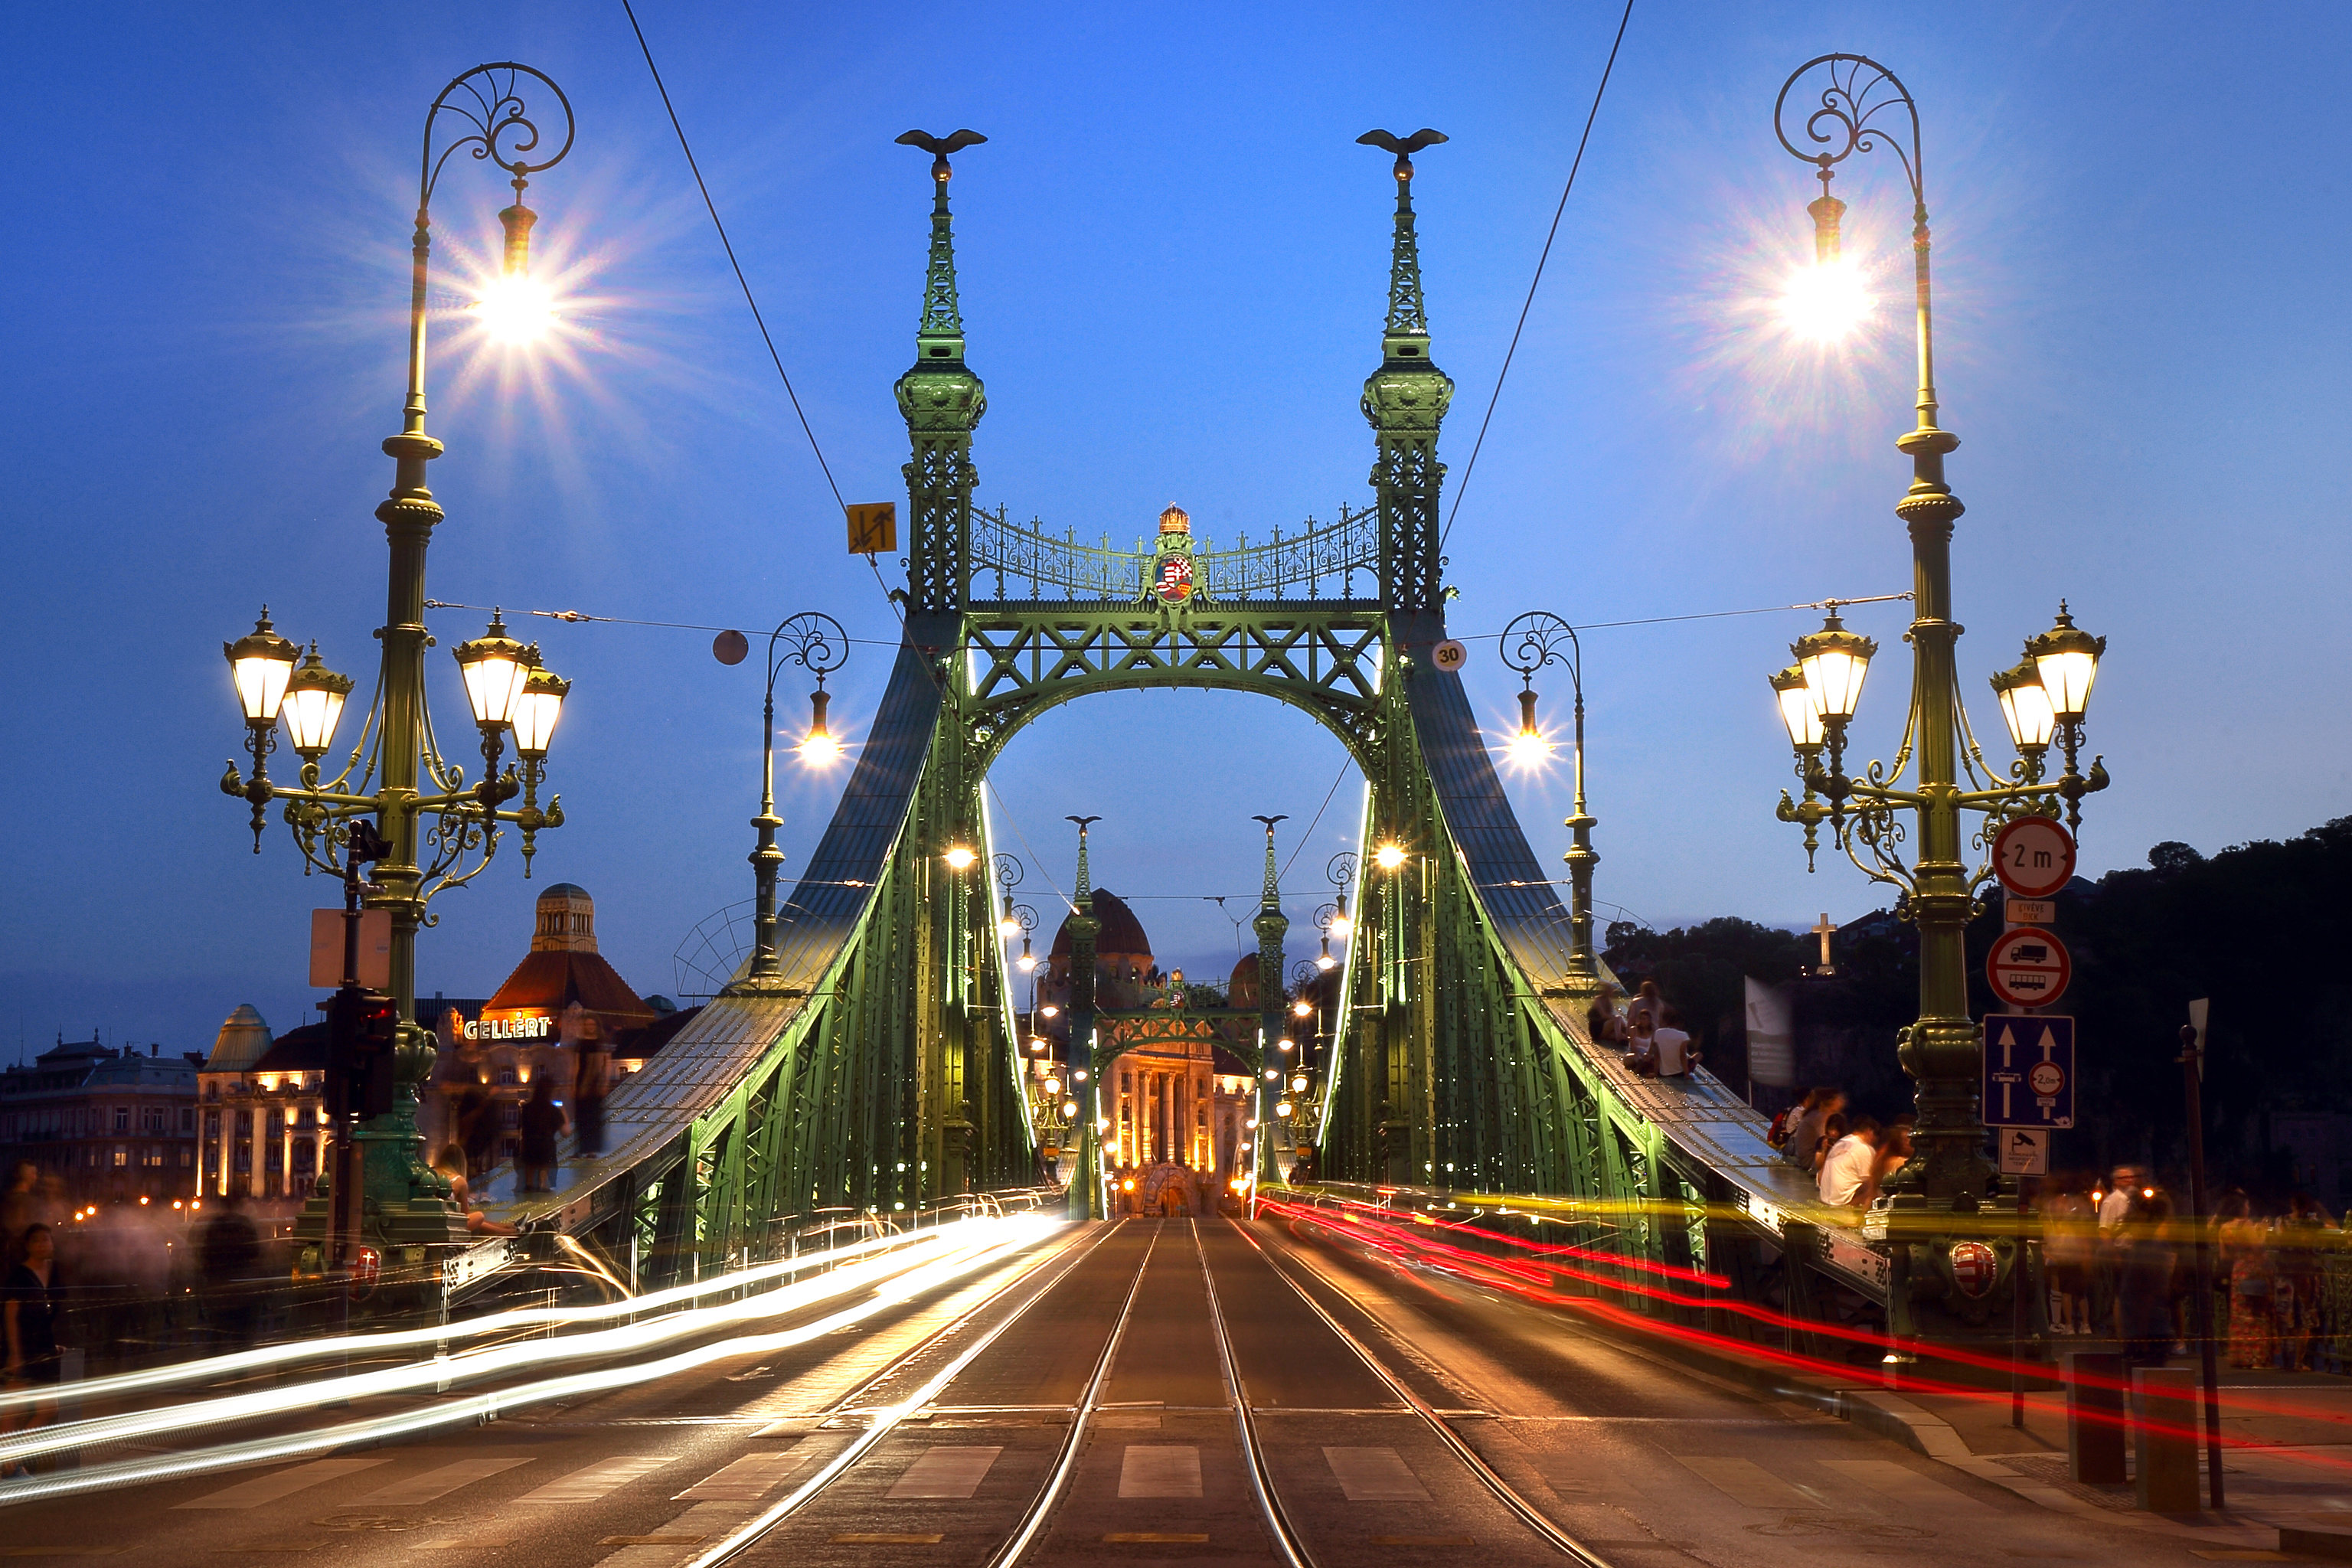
(2286, 1463)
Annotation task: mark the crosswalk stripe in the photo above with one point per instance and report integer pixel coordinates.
(1900, 1482)
(439, 1482)
(1375, 1475)
(947, 1472)
(752, 1477)
(1745, 1482)
(1159, 1469)
(606, 1475)
(282, 1483)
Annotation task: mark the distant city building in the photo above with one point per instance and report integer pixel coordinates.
(564, 998)
(112, 1125)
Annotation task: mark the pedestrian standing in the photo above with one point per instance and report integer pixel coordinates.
(35, 1360)
(18, 1212)
(474, 1124)
(2106, 1260)
(2300, 1280)
(542, 1122)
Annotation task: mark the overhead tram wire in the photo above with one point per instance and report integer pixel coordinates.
(1462, 485)
(745, 283)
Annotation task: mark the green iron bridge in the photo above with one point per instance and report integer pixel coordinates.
(871, 1065)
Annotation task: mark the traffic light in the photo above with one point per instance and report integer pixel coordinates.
(363, 1027)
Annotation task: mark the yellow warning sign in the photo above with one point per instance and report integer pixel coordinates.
(874, 527)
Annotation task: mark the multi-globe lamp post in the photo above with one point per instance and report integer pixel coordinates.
(431, 822)
(1933, 1198)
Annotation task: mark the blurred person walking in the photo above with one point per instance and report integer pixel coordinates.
(1845, 1174)
(2146, 1258)
(35, 1360)
(19, 1211)
(475, 1123)
(542, 1122)
(589, 1086)
(2300, 1281)
(2067, 1222)
(2248, 1266)
(228, 1255)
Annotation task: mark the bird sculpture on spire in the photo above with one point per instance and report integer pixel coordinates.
(939, 147)
(1404, 147)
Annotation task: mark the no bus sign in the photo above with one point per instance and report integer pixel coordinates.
(2033, 857)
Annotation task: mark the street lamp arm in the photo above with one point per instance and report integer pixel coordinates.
(1843, 125)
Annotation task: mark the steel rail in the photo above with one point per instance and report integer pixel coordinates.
(1065, 1463)
(1286, 1538)
(1504, 1493)
(889, 1417)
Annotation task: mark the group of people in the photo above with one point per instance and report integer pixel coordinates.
(2121, 1260)
(1849, 1156)
(1645, 1028)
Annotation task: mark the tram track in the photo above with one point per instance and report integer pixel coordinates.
(1040, 1530)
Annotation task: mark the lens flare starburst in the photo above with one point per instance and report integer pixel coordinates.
(1827, 300)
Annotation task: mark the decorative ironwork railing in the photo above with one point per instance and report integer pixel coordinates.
(1295, 564)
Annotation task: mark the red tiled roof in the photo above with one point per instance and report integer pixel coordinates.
(550, 982)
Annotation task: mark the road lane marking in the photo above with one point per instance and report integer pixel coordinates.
(1159, 1470)
(439, 1482)
(1900, 1482)
(283, 1483)
(606, 1475)
(752, 1477)
(1375, 1475)
(1745, 1482)
(945, 1472)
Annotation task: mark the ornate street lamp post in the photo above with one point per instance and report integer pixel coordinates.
(1088, 1199)
(1816, 697)
(1529, 643)
(817, 643)
(429, 819)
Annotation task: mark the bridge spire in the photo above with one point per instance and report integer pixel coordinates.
(1088, 1198)
(1405, 401)
(942, 401)
(1271, 924)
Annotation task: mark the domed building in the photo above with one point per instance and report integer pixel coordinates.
(1177, 1098)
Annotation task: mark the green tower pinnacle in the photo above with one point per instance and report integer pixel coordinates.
(942, 401)
(1405, 401)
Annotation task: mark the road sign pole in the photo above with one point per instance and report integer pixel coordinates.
(2191, 1070)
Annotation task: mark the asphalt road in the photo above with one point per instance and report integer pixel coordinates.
(1639, 1458)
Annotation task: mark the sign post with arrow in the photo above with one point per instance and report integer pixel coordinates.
(2029, 1070)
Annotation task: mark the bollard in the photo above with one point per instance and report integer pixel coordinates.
(2164, 1440)
(2094, 1416)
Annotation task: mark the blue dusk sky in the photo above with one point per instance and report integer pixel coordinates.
(1173, 262)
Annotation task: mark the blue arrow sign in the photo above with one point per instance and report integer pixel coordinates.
(2029, 1070)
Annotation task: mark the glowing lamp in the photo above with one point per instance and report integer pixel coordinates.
(495, 668)
(1053, 1086)
(959, 856)
(1388, 857)
(1302, 1008)
(1797, 710)
(514, 307)
(262, 663)
(819, 747)
(1298, 1084)
(1009, 924)
(538, 710)
(1834, 661)
(2025, 705)
(2067, 658)
(1050, 1010)
(1323, 961)
(1038, 1044)
(313, 705)
(1824, 302)
(1069, 1110)
(1341, 926)
(1282, 1107)
(1282, 1046)
(1027, 962)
